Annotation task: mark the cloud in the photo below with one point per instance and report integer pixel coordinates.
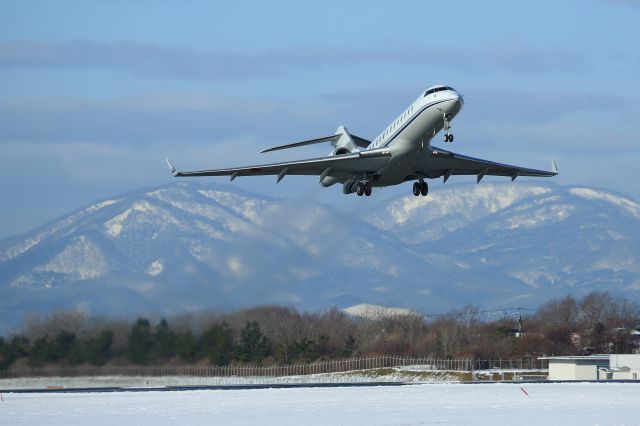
(126, 139)
(541, 106)
(146, 59)
(160, 118)
(139, 58)
(202, 119)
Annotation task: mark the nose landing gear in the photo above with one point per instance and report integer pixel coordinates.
(420, 188)
(448, 136)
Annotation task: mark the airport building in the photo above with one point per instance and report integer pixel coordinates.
(594, 367)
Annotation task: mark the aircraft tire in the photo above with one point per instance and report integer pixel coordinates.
(424, 189)
(416, 188)
(367, 189)
(360, 189)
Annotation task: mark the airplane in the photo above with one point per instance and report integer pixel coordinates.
(401, 153)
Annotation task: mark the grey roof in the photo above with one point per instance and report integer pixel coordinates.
(602, 357)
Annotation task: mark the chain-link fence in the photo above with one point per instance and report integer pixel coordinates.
(278, 370)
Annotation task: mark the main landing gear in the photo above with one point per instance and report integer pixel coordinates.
(448, 136)
(420, 188)
(363, 188)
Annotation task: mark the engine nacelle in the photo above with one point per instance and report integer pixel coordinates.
(349, 186)
(341, 150)
(328, 181)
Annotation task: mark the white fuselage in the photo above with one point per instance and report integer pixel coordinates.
(408, 137)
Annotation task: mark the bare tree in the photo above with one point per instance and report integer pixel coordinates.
(70, 321)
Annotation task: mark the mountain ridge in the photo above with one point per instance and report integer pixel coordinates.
(191, 246)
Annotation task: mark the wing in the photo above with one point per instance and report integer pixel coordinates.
(446, 163)
(355, 163)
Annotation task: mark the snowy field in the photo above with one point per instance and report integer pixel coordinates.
(500, 403)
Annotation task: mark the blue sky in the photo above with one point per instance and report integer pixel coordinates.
(94, 94)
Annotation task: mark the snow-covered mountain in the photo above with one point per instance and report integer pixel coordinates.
(544, 236)
(192, 246)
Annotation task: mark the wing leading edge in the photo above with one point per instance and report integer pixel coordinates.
(446, 163)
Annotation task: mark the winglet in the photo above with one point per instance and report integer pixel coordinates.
(554, 166)
(171, 168)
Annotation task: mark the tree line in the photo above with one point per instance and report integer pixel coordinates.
(596, 323)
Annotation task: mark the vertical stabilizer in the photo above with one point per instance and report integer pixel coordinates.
(345, 142)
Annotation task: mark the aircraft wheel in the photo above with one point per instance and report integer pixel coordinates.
(446, 138)
(416, 188)
(360, 189)
(367, 189)
(450, 137)
(424, 189)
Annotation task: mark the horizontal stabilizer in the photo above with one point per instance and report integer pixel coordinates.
(331, 138)
(357, 140)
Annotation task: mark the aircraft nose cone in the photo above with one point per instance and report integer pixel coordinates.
(459, 101)
(455, 102)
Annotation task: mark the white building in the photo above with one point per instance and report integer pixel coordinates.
(622, 367)
(594, 367)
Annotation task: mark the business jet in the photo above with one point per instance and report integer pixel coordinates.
(401, 153)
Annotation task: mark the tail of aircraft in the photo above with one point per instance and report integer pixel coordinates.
(347, 143)
(342, 141)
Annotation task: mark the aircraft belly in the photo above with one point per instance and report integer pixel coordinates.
(405, 157)
(431, 167)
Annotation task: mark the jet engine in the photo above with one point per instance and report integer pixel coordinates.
(341, 150)
(349, 186)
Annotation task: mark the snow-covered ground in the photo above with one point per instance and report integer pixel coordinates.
(163, 381)
(405, 374)
(500, 403)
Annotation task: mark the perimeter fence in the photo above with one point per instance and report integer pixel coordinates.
(280, 370)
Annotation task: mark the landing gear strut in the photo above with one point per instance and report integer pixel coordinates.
(448, 136)
(420, 188)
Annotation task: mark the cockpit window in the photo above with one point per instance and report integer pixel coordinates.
(437, 89)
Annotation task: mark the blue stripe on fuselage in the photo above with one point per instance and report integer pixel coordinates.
(404, 126)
